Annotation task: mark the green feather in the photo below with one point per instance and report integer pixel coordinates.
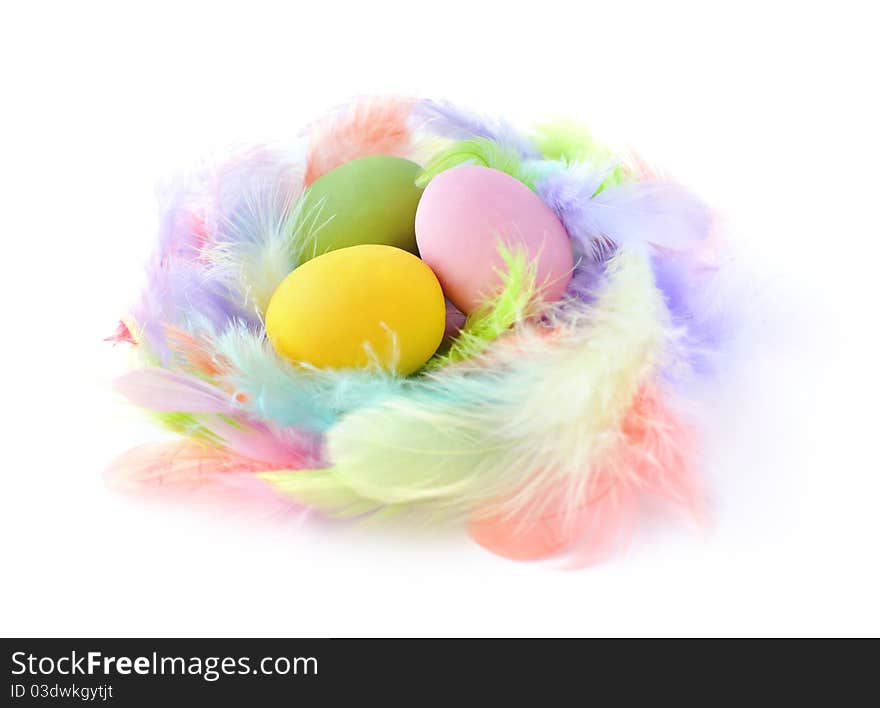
(482, 152)
(571, 142)
(497, 316)
(186, 424)
(321, 489)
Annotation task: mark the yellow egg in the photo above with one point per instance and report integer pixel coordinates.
(359, 307)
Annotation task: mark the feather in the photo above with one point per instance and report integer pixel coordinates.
(288, 448)
(208, 412)
(192, 353)
(183, 464)
(632, 214)
(179, 293)
(224, 243)
(653, 458)
(367, 126)
(700, 294)
(568, 191)
(570, 142)
(596, 521)
(443, 118)
(482, 152)
(189, 468)
(586, 282)
(320, 489)
(509, 307)
(253, 221)
(182, 212)
(186, 424)
(275, 390)
(162, 390)
(534, 414)
(659, 213)
(121, 334)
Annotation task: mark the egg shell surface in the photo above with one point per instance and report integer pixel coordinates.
(358, 307)
(461, 217)
(368, 200)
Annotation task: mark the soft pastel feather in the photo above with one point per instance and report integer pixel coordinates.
(194, 469)
(571, 142)
(481, 152)
(224, 243)
(653, 458)
(158, 389)
(632, 214)
(180, 293)
(509, 307)
(276, 390)
(253, 221)
(367, 126)
(220, 417)
(183, 465)
(450, 121)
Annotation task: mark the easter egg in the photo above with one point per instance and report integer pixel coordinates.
(465, 212)
(356, 307)
(369, 200)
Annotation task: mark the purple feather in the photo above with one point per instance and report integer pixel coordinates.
(633, 214)
(660, 213)
(270, 443)
(444, 119)
(181, 289)
(658, 216)
(692, 290)
(255, 179)
(568, 193)
(181, 226)
(586, 280)
(179, 293)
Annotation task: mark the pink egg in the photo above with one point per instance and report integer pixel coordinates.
(461, 217)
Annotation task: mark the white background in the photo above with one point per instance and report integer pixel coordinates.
(769, 109)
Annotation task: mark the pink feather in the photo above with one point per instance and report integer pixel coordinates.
(186, 464)
(281, 448)
(653, 459)
(368, 126)
(162, 390)
(121, 334)
(218, 412)
(188, 468)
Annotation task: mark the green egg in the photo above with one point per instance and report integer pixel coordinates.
(371, 200)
